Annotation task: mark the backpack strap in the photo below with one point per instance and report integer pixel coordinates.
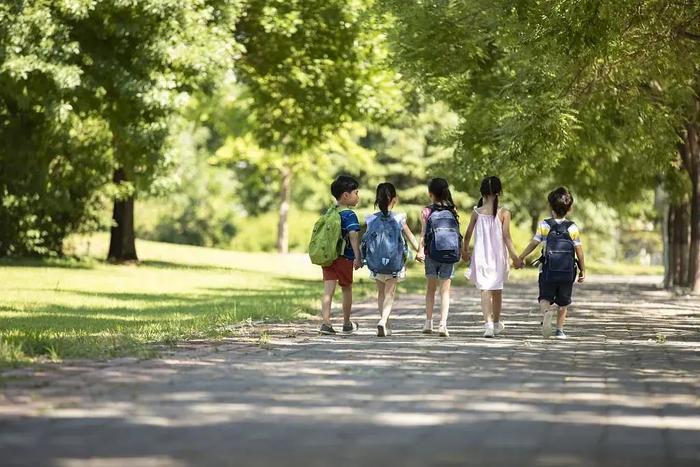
(555, 226)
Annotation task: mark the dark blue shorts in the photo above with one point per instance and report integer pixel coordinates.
(556, 292)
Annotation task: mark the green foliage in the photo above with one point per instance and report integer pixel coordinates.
(588, 91)
(310, 66)
(86, 87)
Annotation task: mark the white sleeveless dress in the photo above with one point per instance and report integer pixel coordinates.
(489, 263)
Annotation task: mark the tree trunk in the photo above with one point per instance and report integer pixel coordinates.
(694, 159)
(122, 244)
(534, 221)
(679, 245)
(285, 201)
(669, 250)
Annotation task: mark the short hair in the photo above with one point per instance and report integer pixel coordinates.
(560, 200)
(343, 184)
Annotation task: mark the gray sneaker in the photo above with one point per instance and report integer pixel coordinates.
(547, 323)
(327, 330)
(560, 334)
(350, 327)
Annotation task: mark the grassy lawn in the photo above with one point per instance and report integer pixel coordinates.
(59, 309)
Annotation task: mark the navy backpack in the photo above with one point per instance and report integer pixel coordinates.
(442, 235)
(558, 260)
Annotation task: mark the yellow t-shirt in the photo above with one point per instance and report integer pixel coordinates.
(543, 230)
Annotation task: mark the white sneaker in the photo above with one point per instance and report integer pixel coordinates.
(498, 327)
(428, 327)
(547, 323)
(443, 330)
(488, 329)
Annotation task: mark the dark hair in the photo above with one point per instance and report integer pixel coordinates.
(490, 186)
(441, 191)
(560, 200)
(385, 193)
(343, 184)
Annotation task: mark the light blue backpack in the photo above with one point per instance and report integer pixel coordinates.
(383, 246)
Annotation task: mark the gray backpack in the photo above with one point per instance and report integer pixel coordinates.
(383, 246)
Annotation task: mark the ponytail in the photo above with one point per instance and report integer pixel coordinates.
(385, 193)
(490, 186)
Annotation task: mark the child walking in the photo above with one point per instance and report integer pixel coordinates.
(335, 245)
(560, 239)
(488, 270)
(383, 248)
(440, 243)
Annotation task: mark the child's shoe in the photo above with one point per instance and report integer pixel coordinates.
(498, 327)
(349, 328)
(327, 330)
(559, 334)
(488, 329)
(388, 328)
(442, 330)
(381, 330)
(428, 327)
(547, 323)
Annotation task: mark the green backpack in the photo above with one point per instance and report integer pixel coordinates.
(326, 243)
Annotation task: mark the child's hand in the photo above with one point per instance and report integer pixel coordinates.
(581, 277)
(420, 257)
(357, 263)
(518, 263)
(465, 256)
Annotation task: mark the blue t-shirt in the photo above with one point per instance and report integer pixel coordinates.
(348, 223)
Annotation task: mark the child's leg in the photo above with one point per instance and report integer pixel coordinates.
(544, 305)
(444, 300)
(486, 305)
(561, 317)
(430, 297)
(347, 303)
(328, 290)
(496, 304)
(389, 293)
(380, 297)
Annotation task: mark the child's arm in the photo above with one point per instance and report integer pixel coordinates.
(411, 238)
(420, 256)
(508, 240)
(354, 237)
(468, 237)
(529, 248)
(581, 263)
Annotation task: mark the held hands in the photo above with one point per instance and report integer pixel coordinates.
(518, 263)
(466, 256)
(420, 256)
(581, 276)
(357, 263)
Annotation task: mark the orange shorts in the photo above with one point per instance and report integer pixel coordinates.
(340, 270)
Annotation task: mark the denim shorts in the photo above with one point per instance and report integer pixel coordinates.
(433, 269)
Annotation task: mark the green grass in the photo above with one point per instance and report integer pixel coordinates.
(60, 309)
(56, 309)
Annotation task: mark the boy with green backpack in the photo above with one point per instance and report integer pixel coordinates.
(335, 246)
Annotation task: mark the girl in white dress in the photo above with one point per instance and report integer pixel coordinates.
(488, 270)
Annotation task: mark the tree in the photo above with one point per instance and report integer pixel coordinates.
(311, 67)
(103, 78)
(604, 91)
(54, 152)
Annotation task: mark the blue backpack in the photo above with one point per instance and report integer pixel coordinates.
(383, 246)
(442, 235)
(558, 261)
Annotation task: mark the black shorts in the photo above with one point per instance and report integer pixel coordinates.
(556, 292)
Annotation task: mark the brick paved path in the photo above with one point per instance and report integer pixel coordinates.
(623, 390)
